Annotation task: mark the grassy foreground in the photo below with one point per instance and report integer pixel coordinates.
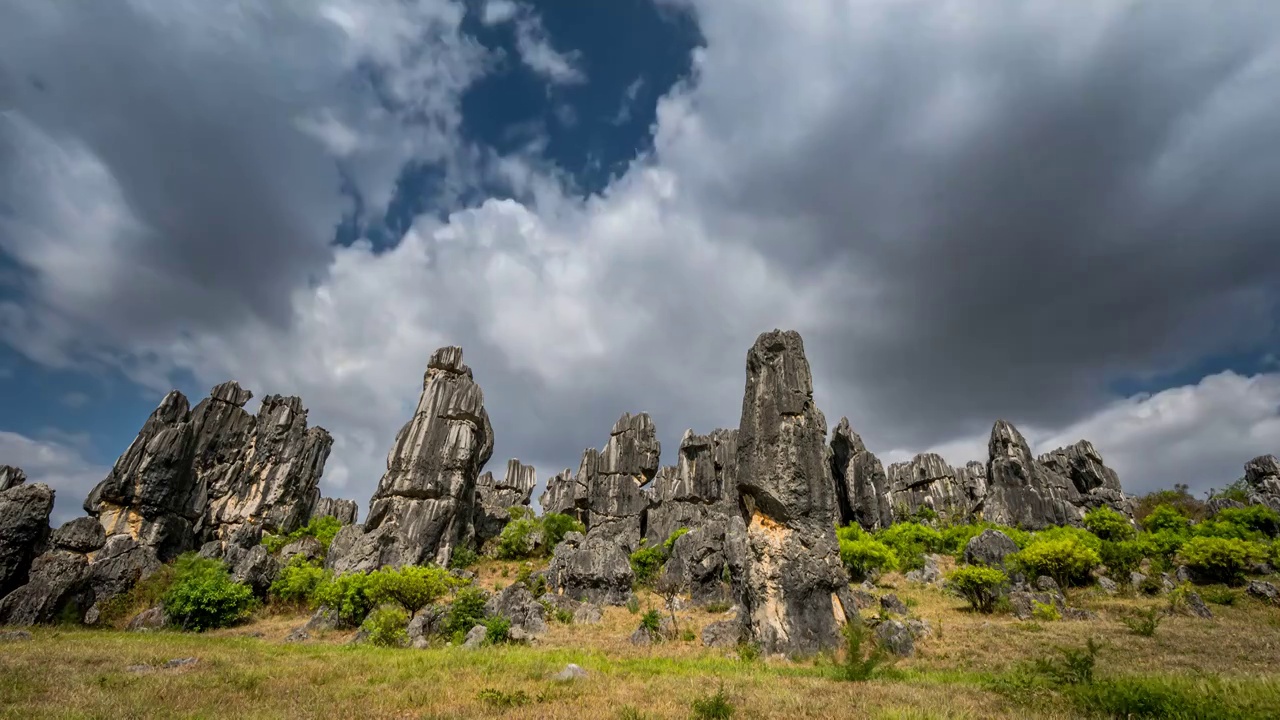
(973, 666)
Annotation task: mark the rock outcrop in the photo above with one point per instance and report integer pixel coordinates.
(425, 502)
(792, 580)
(1262, 476)
(345, 511)
(591, 568)
(494, 499)
(927, 481)
(565, 495)
(1097, 484)
(24, 529)
(616, 479)
(1023, 492)
(862, 485)
(10, 477)
(702, 486)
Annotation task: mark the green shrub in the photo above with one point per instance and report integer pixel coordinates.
(1258, 519)
(537, 584)
(298, 581)
(1067, 532)
(646, 562)
(1179, 499)
(909, 542)
(670, 542)
(412, 587)
(503, 699)
(1167, 518)
(387, 626)
(322, 528)
(956, 537)
(1220, 560)
(713, 707)
(497, 630)
(1047, 612)
(1108, 524)
(350, 596)
(1144, 622)
(859, 663)
(1067, 560)
(1219, 595)
(981, 586)
(652, 622)
(462, 558)
(1074, 667)
(1163, 544)
(466, 611)
(1238, 491)
(203, 595)
(517, 539)
(1151, 585)
(1123, 557)
(866, 556)
(555, 526)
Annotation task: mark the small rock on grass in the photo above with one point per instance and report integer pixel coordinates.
(14, 636)
(570, 672)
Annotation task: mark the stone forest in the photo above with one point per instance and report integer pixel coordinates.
(769, 571)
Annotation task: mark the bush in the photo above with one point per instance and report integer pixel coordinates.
(1214, 560)
(1066, 560)
(387, 626)
(466, 612)
(1066, 532)
(652, 622)
(412, 587)
(956, 537)
(1047, 612)
(462, 558)
(909, 542)
(646, 562)
(866, 556)
(298, 581)
(1178, 498)
(713, 707)
(1075, 667)
(1258, 519)
(203, 595)
(859, 664)
(1238, 491)
(1167, 518)
(1144, 622)
(1163, 545)
(497, 630)
(322, 528)
(670, 542)
(1124, 556)
(350, 596)
(1108, 524)
(1219, 595)
(981, 586)
(555, 526)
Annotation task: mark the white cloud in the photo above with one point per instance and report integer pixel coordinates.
(536, 51)
(497, 12)
(56, 463)
(629, 95)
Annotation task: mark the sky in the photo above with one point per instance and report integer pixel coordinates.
(1066, 215)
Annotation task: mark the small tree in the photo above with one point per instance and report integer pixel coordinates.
(1220, 559)
(668, 587)
(1108, 524)
(980, 585)
(412, 587)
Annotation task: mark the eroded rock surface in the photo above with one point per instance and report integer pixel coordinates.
(790, 587)
(591, 568)
(495, 498)
(24, 530)
(1262, 475)
(702, 486)
(423, 507)
(345, 511)
(10, 477)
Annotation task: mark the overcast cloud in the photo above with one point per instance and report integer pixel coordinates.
(970, 211)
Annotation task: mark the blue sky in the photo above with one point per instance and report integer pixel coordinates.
(1065, 216)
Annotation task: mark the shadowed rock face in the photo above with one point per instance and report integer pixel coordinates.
(11, 476)
(24, 531)
(1262, 474)
(1021, 491)
(704, 482)
(494, 498)
(792, 579)
(345, 511)
(424, 504)
(616, 480)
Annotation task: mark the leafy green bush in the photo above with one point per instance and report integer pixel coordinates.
(1163, 544)
(203, 595)
(387, 626)
(1219, 595)
(956, 537)
(412, 587)
(555, 526)
(497, 630)
(1108, 524)
(859, 664)
(1074, 667)
(670, 542)
(866, 556)
(652, 622)
(646, 562)
(1067, 560)
(466, 611)
(462, 558)
(1179, 499)
(1047, 612)
(633, 604)
(1067, 532)
(517, 540)
(1123, 557)
(1167, 518)
(1258, 519)
(1224, 560)
(1144, 622)
(1238, 491)
(298, 581)
(909, 542)
(981, 586)
(713, 707)
(322, 528)
(349, 595)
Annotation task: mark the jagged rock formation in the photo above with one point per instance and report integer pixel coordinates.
(565, 495)
(792, 580)
(616, 480)
(495, 498)
(10, 477)
(424, 504)
(1262, 475)
(594, 568)
(703, 483)
(1013, 488)
(345, 511)
(24, 529)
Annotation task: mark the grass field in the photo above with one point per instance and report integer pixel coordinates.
(973, 666)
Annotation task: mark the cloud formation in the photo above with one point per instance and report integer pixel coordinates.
(969, 213)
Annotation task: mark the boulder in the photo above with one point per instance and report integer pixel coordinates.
(11, 477)
(790, 589)
(57, 584)
(565, 495)
(24, 529)
(425, 502)
(494, 498)
(891, 604)
(594, 568)
(475, 637)
(149, 619)
(895, 637)
(82, 535)
(990, 547)
(345, 511)
(1024, 602)
(307, 547)
(569, 673)
(588, 614)
(1108, 585)
(1096, 484)
(1262, 477)
(722, 634)
(1264, 591)
(517, 604)
(702, 559)
(256, 568)
(929, 574)
(1196, 605)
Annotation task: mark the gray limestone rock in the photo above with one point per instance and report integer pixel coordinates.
(891, 604)
(1097, 484)
(83, 535)
(15, 636)
(1262, 476)
(1108, 585)
(425, 502)
(1021, 491)
(701, 486)
(1264, 591)
(862, 486)
(592, 567)
(929, 574)
(494, 498)
(57, 581)
(256, 568)
(308, 548)
(24, 531)
(149, 619)
(588, 614)
(928, 482)
(722, 634)
(702, 562)
(990, 547)
(896, 637)
(565, 494)
(616, 479)
(10, 477)
(475, 637)
(1196, 605)
(344, 510)
(517, 604)
(789, 590)
(569, 673)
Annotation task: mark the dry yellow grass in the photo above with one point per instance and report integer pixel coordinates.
(248, 672)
